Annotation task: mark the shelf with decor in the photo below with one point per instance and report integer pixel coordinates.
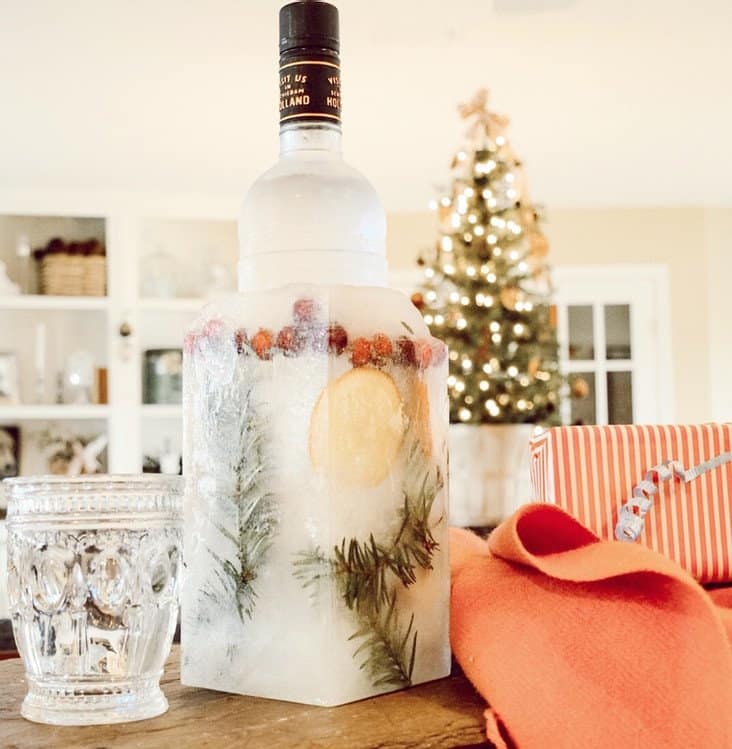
(162, 257)
(54, 337)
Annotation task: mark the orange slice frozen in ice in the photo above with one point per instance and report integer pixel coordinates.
(420, 415)
(357, 428)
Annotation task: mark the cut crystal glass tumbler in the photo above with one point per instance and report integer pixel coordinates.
(94, 568)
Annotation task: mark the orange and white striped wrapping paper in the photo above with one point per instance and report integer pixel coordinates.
(590, 472)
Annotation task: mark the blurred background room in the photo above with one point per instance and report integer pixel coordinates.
(129, 133)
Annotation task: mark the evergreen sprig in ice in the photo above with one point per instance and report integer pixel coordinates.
(487, 287)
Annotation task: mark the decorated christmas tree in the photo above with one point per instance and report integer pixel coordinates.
(487, 287)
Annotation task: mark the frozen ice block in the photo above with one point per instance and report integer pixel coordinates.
(316, 518)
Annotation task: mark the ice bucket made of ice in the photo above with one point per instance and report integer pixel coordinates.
(316, 499)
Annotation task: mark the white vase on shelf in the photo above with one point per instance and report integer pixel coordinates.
(489, 472)
(7, 287)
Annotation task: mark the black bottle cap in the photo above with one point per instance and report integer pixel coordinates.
(309, 24)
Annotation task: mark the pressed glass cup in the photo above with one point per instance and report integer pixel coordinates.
(93, 575)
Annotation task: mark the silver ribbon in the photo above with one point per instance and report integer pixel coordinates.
(632, 513)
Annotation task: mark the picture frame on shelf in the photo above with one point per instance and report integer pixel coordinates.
(9, 382)
(163, 376)
(9, 455)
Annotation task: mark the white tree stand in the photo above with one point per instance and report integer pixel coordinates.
(489, 472)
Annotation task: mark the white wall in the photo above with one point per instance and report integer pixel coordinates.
(718, 223)
(612, 103)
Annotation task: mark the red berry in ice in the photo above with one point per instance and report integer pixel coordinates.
(213, 328)
(289, 340)
(361, 353)
(304, 310)
(404, 353)
(337, 338)
(382, 346)
(262, 343)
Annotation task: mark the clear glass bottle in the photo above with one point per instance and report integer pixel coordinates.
(315, 432)
(281, 242)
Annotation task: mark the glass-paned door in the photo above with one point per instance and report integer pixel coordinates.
(614, 328)
(613, 325)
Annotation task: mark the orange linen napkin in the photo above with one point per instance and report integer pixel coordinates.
(577, 642)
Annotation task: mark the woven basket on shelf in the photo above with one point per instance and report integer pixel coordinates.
(63, 274)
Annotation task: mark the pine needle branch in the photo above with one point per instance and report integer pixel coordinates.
(256, 519)
(389, 646)
(365, 573)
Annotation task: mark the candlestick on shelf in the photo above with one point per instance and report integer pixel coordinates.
(25, 260)
(40, 363)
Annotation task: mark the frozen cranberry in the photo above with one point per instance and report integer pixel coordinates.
(262, 343)
(304, 310)
(290, 340)
(361, 353)
(405, 353)
(382, 346)
(337, 338)
(213, 328)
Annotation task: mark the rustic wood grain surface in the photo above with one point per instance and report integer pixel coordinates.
(446, 713)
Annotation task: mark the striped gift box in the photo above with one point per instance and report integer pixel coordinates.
(590, 471)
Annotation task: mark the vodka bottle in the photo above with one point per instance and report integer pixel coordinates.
(315, 431)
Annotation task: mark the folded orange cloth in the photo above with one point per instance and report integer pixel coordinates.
(577, 642)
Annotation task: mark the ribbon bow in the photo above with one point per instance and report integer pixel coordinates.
(631, 517)
(485, 121)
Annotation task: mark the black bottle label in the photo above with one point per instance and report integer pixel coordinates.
(310, 90)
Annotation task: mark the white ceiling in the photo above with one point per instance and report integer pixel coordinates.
(613, 102)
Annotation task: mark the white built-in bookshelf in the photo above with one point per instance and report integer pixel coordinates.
(191, 232)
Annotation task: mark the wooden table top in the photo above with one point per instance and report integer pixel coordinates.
(445, 713)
